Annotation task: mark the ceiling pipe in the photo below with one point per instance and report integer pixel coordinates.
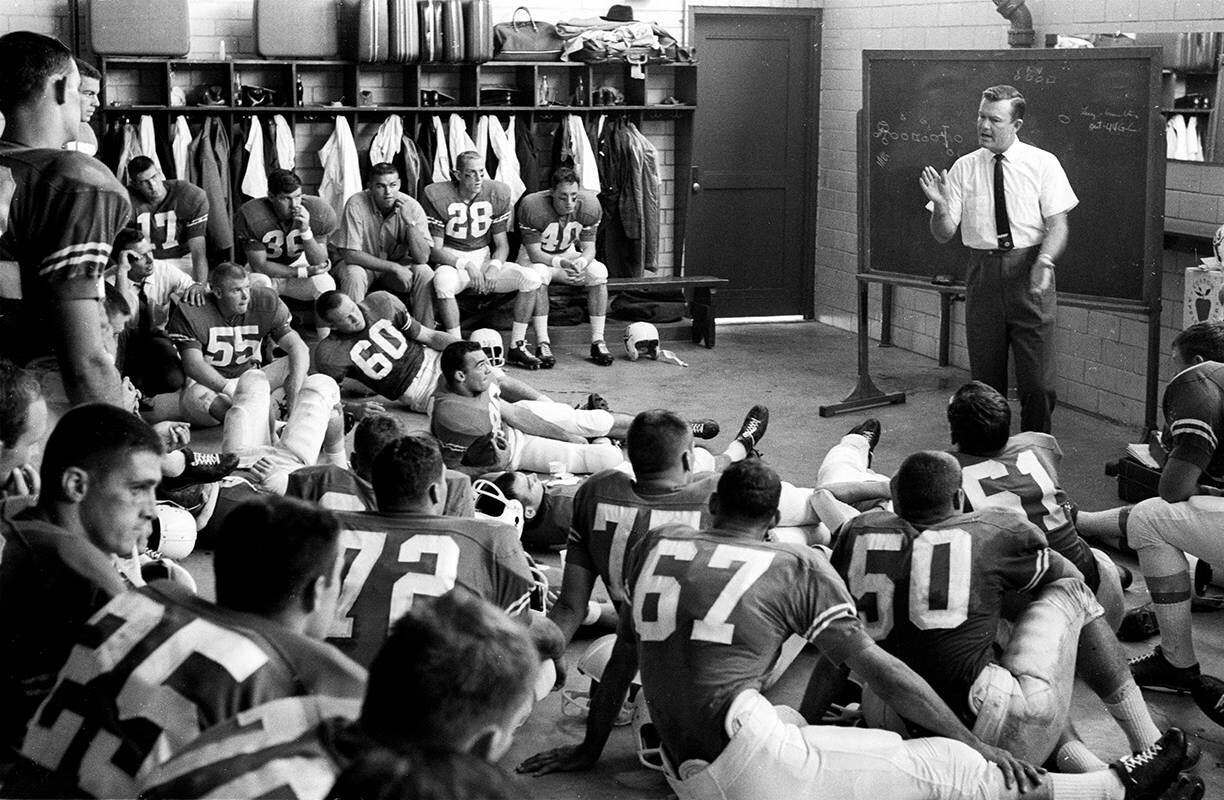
(1020, 34)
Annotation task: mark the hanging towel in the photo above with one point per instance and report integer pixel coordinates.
(1194, 145)
(1181, 151)
(282, 139)
(341, 169)
(579, 148)
(129, 149)
(441, 161)
(409, 163)
(385, 145)
(179, 142)
(458, 140)
(148, 141)
(255, 176)
(481, 137)
(502, 143)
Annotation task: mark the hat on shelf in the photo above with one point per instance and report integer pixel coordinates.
(619, 13)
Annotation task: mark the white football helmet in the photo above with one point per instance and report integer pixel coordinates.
(174, 531)
(155, 567)
(650, 746)
(492, 504)
(491, 342)
(641, 339)
(592, 664)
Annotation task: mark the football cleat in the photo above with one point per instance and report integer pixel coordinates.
(545, 354)
(1153, 671)
(1209, 696)
(520, 356)
(595, 402)
(753, 429)
(600, 354)
(202, 468)
(704, 428)
(1146, 774)
(641, 339)
(490, 342)
(1138, 624)
(870, 429)
(1186, 787)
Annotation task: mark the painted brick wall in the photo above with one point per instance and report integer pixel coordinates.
(1104, 355)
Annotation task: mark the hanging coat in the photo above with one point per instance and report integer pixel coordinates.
(341, 169)
(388, 139)
(208, 168)
(457, 140)
(501, 142)
(255, 174)
(148, 142)
(179, 143)
(282, 140)
(577, 147)
(441, 168)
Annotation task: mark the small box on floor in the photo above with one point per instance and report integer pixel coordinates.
(1136, 481)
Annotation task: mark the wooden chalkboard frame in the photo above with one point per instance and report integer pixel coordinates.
(1152, 221)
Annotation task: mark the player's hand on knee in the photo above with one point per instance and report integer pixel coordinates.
(571, 758)
(317, 269)
(1020, 774)
(263, 469)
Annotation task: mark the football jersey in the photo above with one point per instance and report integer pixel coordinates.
(231, 345)
(1023, 476)
(59, 213)
(157, 666)
(392, 558)
(611, 513)
(257, 227)
(550, 527)
(1193, 406)
(340, 489)
(539, 222)
(457, 420)
(467, 224)
(711, 610)
(181, 215)
(51, 582)
(384, 355)
(933, 597)
(293, 748)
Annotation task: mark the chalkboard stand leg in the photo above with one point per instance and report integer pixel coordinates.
(866, 394)
(886, 314)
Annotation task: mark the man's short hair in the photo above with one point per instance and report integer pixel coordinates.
(453, 357)
(466, 156)
(126, 239)
(383, 168)
(1205, 339)
(18, 391)
(27, 59)
(924, 484)
(979, 419)
(139, 164)
(451, 665)
(750, 490)
(1005, 92)
(655, 440)
(410, 773)
(404, 469)
(270, 551)
(372, 434)
(283, 181)
(87, 70)
(563, 175)
(93, 437)
(227, 271)
(328, 302)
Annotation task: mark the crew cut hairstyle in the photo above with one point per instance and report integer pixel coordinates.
(227, 271)
(656, 438)
(270, 551)
(328, 302)
(27, 59)
(749, 490)
(450, 665)
(1005, 92)
(979, 419)
(1205, 339)
(94, 437)
(87, 70)
(283, 181)
(137, 165)
(18, 391)
(923, 483)
(404, 469)
(564, 175)
(453, 357)
(372, 434)
(383, 168)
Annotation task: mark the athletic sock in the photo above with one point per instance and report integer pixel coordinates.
(1100, 785)
(539, 324)
(336, 455)
(1128, 708)
(455, 331)
(1170, 601)
(518, 332)
(1075, 757)
(597, 328)
(736, 451)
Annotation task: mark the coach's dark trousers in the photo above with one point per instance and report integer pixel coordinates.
(1001, 310)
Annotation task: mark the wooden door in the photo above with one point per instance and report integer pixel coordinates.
(753, 207)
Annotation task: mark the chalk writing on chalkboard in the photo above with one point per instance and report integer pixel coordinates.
(1029, 74)
(1117, 123)
(922, 133)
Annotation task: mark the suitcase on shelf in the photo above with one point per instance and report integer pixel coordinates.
(431, 30)
(372, 31)
(453, 40)
(296, 28)
(404, 31)
(164, 28)
(478, 25)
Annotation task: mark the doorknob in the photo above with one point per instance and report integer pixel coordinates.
(695, 176)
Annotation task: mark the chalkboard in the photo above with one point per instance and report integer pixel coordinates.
(1097, 110)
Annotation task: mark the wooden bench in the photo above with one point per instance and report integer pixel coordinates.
(698, 291)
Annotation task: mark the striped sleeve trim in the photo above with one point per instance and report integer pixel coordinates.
(825, 619)
(200, 220)
(1040, 568)
(502, 217)
(88, 258)
(1194, 427)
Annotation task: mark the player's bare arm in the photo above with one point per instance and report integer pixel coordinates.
(1179, 480)
(527, 422)
(198, 250)
(257, 260)
(200, 371)
(501, 247)
(577, 584)
(88, 370)
(299, 364)
(435, 339)
(316, 248)
(935, 186)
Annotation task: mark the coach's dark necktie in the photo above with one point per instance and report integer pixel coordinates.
(1002, 226)
(144, 314)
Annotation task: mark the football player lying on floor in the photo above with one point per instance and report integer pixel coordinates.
(157, 666)
(454, 675)
(340, 489)
(946, 620)
(710, 612)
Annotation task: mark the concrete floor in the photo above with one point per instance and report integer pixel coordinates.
(794, 369)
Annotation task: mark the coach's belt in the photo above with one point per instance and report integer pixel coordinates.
(1014, 250)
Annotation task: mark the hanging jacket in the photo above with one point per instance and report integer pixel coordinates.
(385, 145)
(457, 140)
(408, 162)
(526, 155)
(129, 149)
(179, 144)
(440, 170)
(283, 143)
(148, 141)
(208, 168)
(255, 174)
(576, 147)
(341, 168)
(501, 142)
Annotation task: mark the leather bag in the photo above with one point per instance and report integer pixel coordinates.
(528, 40)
